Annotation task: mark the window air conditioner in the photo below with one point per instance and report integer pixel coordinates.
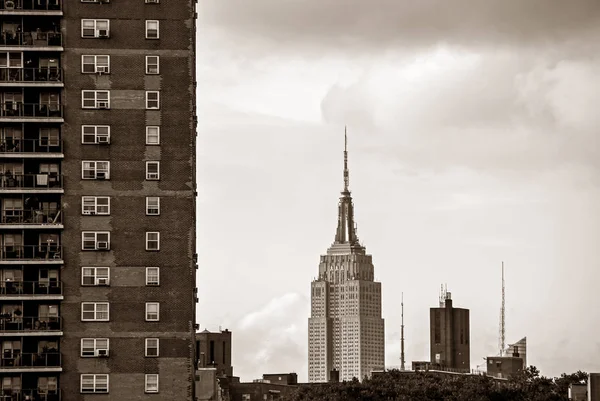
(102, 353)
(87, 212)
(102, 69)
(102, 105)
(100, 175)
(102, 245)
(152, 1)
(9, 5)
(103, 33)
(102, 280)
(153, 176)
(103, 140)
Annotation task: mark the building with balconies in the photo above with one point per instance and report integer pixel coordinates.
(97, 199)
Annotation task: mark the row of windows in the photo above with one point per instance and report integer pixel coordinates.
(100, 241)
(100, 28)
(100, 99)
(99, 347)
(100, 170)
(100, 64)
(93, 134)
(100, 205)
(100, 311)
(100, 276)
(98, 383)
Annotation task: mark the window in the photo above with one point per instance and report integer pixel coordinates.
(152, 383)
(95, 241)
(11, 60)
(94, 311)
(91, 205)
(152, 311)
(152, 170)
(152, 1)
(152, 347)
(95, 275)
(95, 170)
(93, 134)
(49, 136)
(95, 1)
(152, 65)
(95, 99)
(152, 100)
(152, 29)
(95, 28)
(152, 135)
(94, 383)
(97, 347)
(152, 241)
(92, 64)
(152, 205)
(152, 276)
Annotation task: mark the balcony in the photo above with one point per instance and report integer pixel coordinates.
(34, 290)
(30, 254)
(23, 219)
(34, 148)
(29, 395)
(43, 76)
(22, 112)
(42, 182)
(31, 7)
(30, 362)
(36, 40)
(11, 325)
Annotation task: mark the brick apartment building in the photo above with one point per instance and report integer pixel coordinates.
(97, 199)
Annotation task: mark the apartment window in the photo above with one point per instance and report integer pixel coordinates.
(95, 170)
(153, 241)
(152, 205)
(152, 347)
(49, 136)
(152, 29)
(91, 99)
(95, 275)
(152, 383)
(152, 100)
(91, 383)
(94, 347)
(152, 135)
(95, 241)
(93, 64)
(94, 311)
(152, 171)
(152, 276)
(152, 1)
(91, 205)
(11, 60)
(94, 134)
(95, 28)
(152, 65)
(152, 311)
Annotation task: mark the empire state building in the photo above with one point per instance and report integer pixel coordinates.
(345, 329)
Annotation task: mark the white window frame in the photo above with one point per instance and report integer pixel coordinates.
(154, 176)
(148, 240)
(93, 349)
(148, 275)
(148, 29)
(146, 348)
(149, 101)
(96, 63)
(95, 205)
(149, 129)
(95, 99)
(96, 311)
(96, 277)
(95, 235)
(152, 1)
(146, 387)
(95, 27)
(149, 63)
(152, 210)
(96, 134)
(94, 378)
(95, 168)
(157, 311)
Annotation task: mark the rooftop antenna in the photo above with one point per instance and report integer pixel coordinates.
(402, 336)
(502, 344)
(346, 172)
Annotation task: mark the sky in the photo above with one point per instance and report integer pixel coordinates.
(473, 140)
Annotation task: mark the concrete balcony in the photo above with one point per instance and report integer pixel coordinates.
(29, 41)
(45, 77)
(29, 395)
(16, 112)
(31, 290)
(27, 219)
(31, 7)
(31, 183)
(26, 362)
(31, 148)
(12, 325)
(31, 254)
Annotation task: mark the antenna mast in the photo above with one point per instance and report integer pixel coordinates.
(502, 344)
(402, 336)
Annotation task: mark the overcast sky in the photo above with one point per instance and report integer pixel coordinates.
(473, 138)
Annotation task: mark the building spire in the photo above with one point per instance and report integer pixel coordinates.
(346, 231)
(346, 172)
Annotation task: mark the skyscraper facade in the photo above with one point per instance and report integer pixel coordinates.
(97, 199)
(345, 330)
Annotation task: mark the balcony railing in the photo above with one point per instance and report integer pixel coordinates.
(30, 146)
(30, 110)
(31, 181)
(31, 216)
(34, 5)
(34, 39)
(29, 395)
(17, 323)
(30, 288)
(43, 74)
(31, 252)
(25, 360)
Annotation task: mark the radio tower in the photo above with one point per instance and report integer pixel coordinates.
(402, 335)
(502, 312)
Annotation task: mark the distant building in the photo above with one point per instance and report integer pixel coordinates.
(593, 388)
(449, 336)
(519, 349)
(281, 378)
(213, 349)
(578, 392)
(206, 386)
(503, 366)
